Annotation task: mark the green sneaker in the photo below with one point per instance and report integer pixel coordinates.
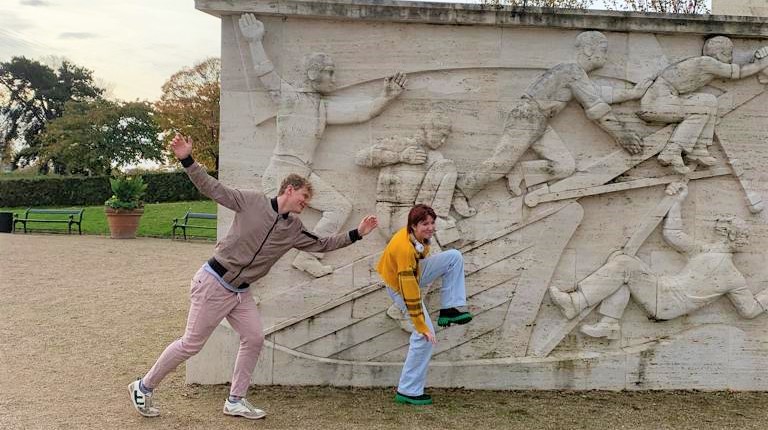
(453, 316)
(424, 399)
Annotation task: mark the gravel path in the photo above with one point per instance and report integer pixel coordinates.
(82, 316)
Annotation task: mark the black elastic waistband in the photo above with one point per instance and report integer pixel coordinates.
(221, 271)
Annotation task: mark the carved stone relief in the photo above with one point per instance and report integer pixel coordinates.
(561, 178)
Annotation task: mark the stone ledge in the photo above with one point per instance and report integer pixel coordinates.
(476, 14)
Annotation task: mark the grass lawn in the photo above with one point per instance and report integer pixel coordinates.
(156, 221)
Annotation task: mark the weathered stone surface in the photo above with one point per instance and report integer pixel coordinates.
(558, 161)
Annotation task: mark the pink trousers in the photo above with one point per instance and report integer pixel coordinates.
(210, 303)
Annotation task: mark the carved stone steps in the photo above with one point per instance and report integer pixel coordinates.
(350, 334)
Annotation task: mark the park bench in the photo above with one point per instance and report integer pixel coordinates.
(185, 222)
(69, 217)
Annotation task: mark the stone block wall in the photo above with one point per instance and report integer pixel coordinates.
(602, 174)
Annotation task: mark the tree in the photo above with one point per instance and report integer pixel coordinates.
(661, 6)
(190, 105)
(566, 4)
(33, 94)
(93, 137)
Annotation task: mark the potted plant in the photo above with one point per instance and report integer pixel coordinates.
(124, 208)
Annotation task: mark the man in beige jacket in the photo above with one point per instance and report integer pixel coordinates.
(262, 231)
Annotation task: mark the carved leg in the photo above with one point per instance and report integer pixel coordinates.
(336, 209)
(524, 126)
(700, 151)
(437, 187)
(558, 162)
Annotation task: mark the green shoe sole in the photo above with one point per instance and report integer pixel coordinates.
(409, 401)
(459, 319)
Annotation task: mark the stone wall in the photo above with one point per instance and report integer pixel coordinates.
(740, 7)
(605, 188)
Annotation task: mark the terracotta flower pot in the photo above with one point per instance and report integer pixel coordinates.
(123, 223)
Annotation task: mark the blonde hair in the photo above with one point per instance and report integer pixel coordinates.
(297, 182)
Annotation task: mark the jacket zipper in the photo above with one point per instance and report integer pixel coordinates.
(258, 250)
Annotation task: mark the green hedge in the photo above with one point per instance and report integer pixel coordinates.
(74, 190)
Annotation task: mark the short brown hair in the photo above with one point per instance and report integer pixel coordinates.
(418, 214)
(295, 181)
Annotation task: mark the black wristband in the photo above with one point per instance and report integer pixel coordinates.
(354, 235)
(186, 162)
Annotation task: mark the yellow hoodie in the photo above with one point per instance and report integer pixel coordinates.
(399, 267)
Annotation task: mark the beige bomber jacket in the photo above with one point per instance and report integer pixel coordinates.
(258, 236)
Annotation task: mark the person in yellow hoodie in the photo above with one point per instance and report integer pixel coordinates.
(407, 269)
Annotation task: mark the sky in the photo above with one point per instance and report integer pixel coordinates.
(132, 46)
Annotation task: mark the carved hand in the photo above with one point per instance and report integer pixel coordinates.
(761, 53)
(677, 189)
(631, 142)
(252, 28)
(394, 85)
(413, 155)
(367, 225)
(181, 146)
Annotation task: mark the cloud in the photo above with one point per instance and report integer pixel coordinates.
(34, 3)
(78, 35)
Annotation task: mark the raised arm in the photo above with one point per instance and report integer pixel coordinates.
(253, 31)
(673, 224)
(228, 197)
(760, 64)
(352, 112)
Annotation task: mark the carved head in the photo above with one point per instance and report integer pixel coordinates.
(436, 131)
(720, 48)
(734, 230)
(320, 71)
(591, 50)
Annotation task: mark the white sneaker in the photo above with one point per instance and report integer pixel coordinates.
(142, 402)
(243, 409)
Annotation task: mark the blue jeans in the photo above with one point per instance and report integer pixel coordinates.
(450, 266)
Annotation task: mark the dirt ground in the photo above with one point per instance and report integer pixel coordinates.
(82, 316)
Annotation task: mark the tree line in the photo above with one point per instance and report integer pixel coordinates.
(57, 119)
(660, 6)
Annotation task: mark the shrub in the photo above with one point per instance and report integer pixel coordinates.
(91, 191)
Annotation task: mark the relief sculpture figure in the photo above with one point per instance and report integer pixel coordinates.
(526, 125)
(413, 171)
(673, 99)
(303, 114)
(708, 274)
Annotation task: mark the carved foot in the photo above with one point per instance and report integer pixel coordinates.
(515, 180)
(603, 328)
(564, 302)
(461, 205)
(396, 314)
(310, 264)
(675, 161)
(704, 159)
